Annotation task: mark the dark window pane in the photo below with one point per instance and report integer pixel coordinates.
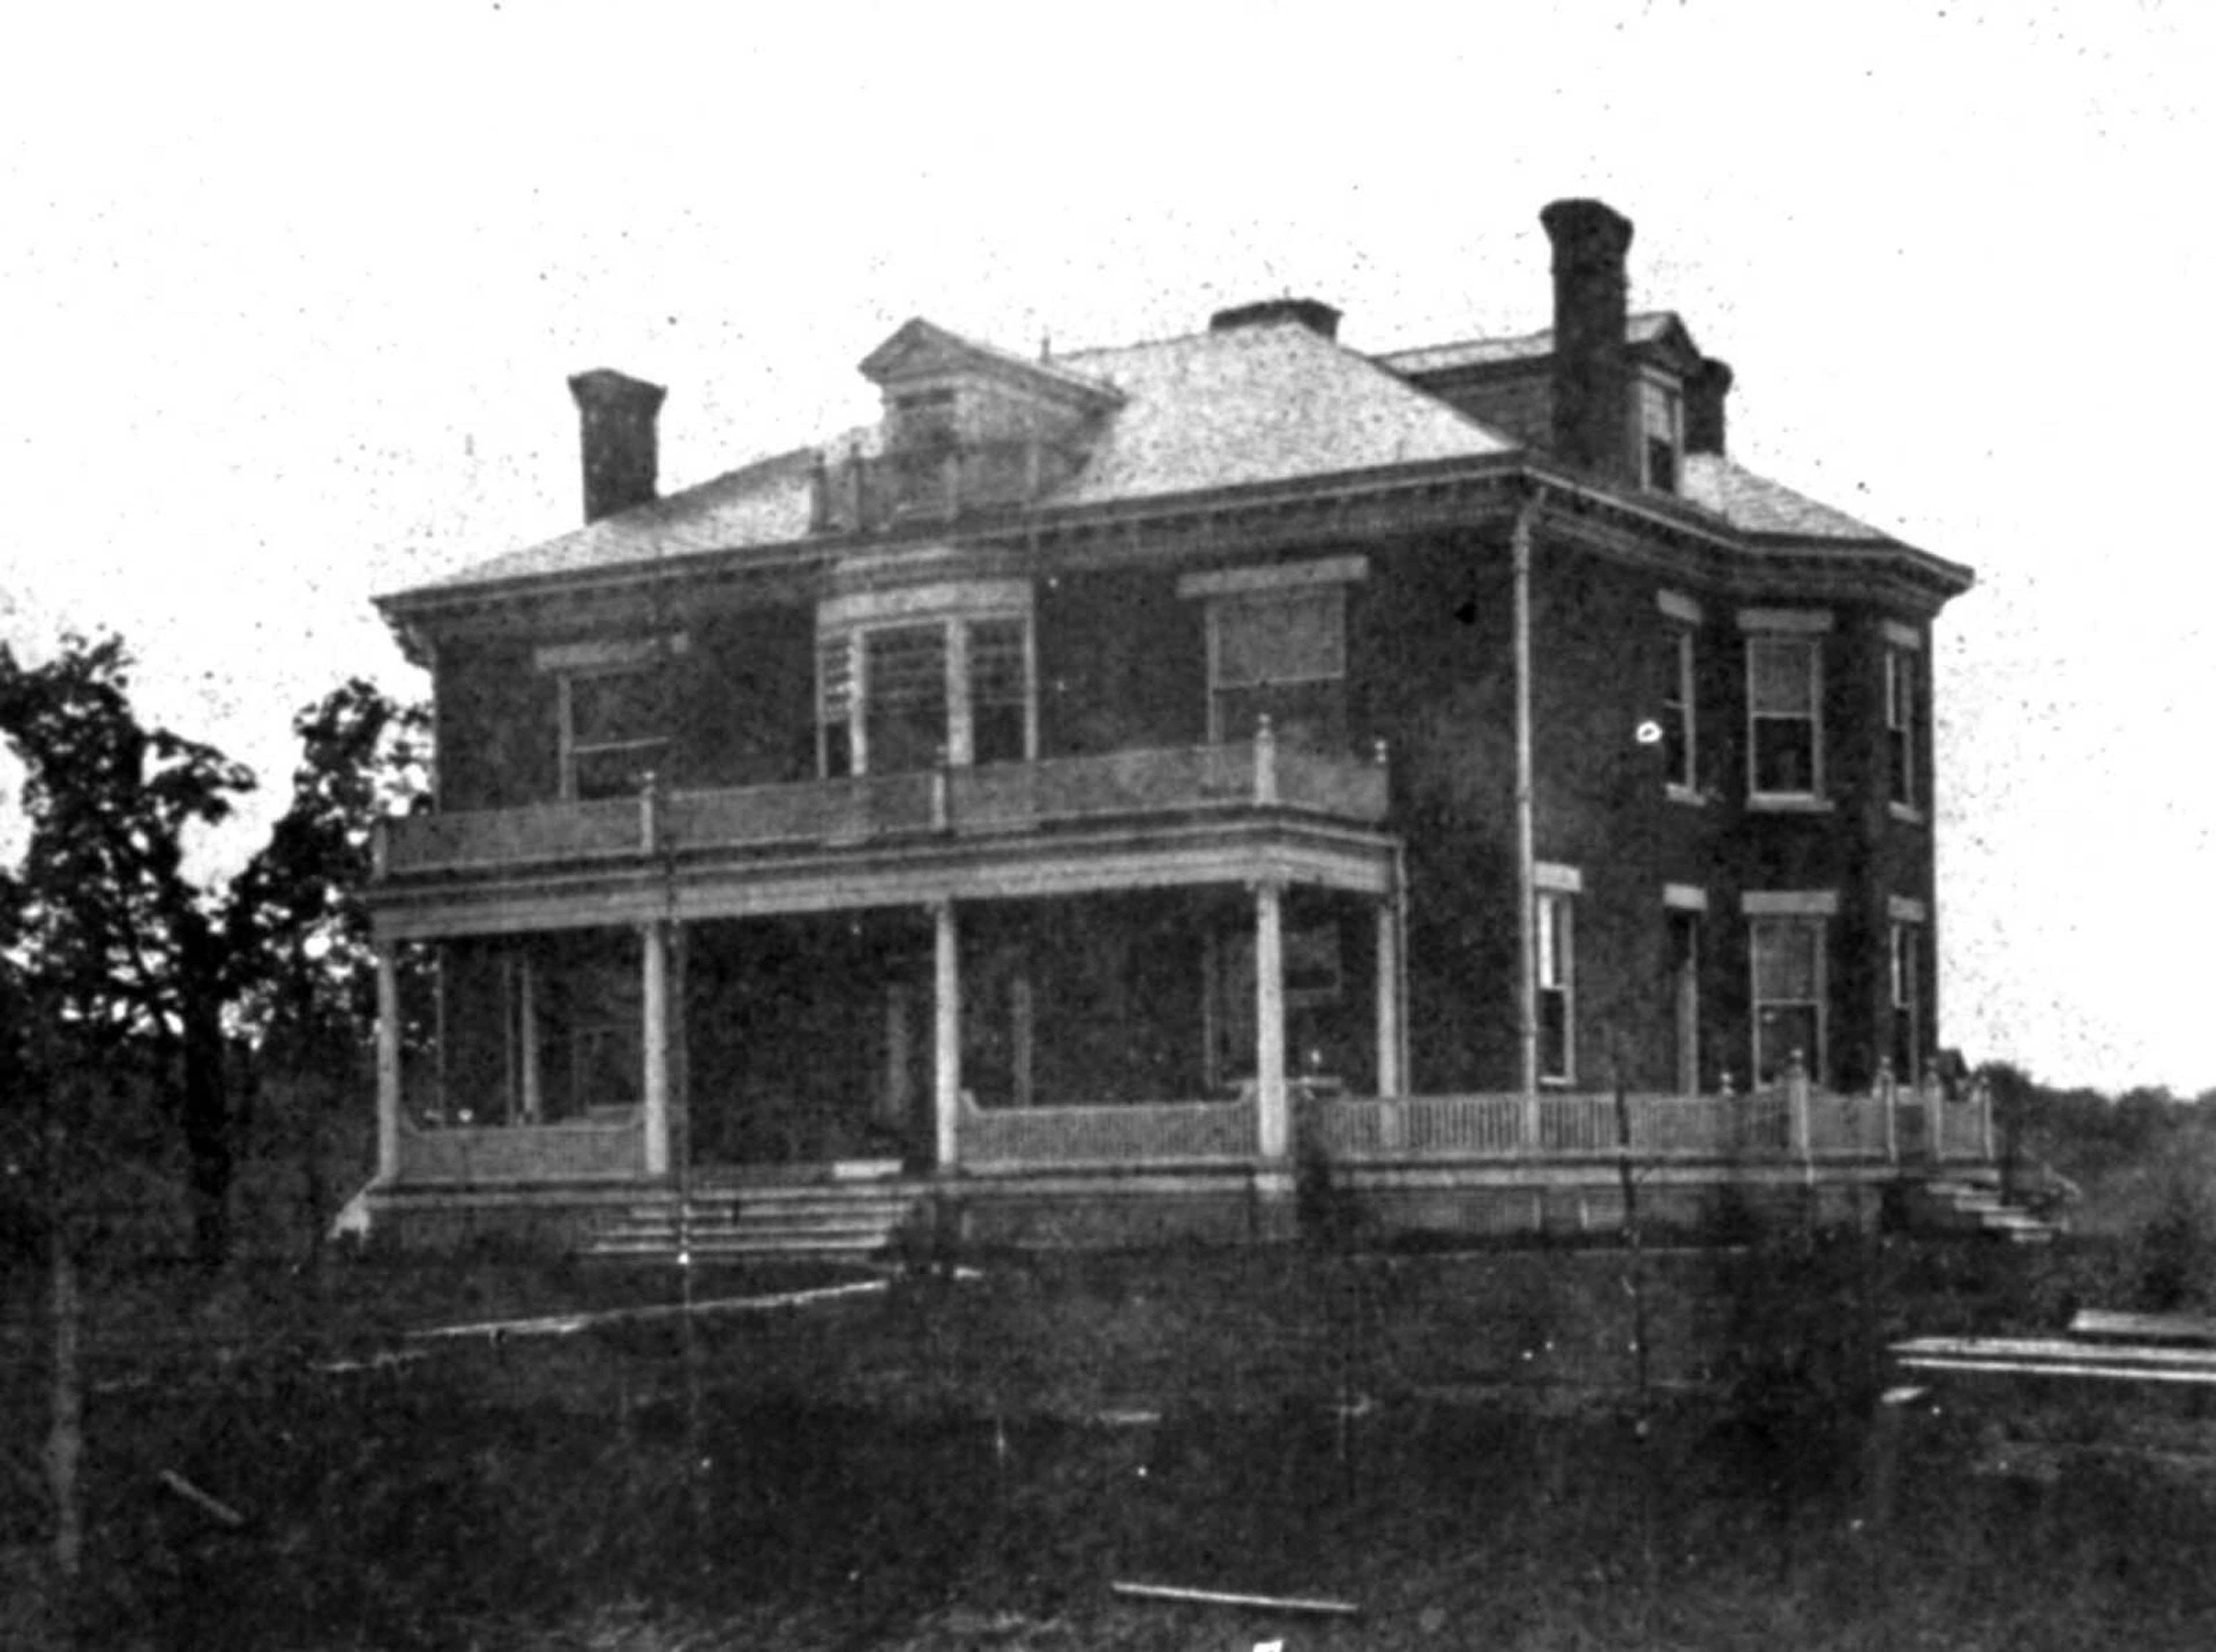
(1779, 1030)
(996, 734)
(1553, 1033)
(904, 690)
(615, 770)
(1291, 637)
(1784, 755)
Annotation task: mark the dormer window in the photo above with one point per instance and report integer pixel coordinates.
(1659, 437)
(924, 420)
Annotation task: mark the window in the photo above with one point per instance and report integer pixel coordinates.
(1900, 698)
(1683, 914)
(897, 690)
(1280, 654)
(613, 730)
(1788, 970)
(904, 698)
(1904, 971)
(1785, 733)
(1660, 436)
(1677, 772)
(1556, 972)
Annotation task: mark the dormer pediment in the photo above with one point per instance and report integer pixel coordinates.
(920, 355)
(1661, 340)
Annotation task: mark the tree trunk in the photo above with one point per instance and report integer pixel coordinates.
(65, 1431)
(205, 1120)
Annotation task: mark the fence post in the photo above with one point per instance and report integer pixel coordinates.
(1265, 760)
(1934, 1119)
(1888, 1097)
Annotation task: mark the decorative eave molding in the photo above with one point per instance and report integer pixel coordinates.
(1671, 540)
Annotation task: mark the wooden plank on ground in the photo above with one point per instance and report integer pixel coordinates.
(2106, 1325)
(2049, 1357)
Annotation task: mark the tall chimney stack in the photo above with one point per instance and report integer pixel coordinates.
(1704, 406)
(1591, 385)
(615, 416)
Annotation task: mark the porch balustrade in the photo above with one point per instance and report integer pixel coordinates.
(584, 1150)
(1760, 1127)
(1000, 798)
(1157, 1132)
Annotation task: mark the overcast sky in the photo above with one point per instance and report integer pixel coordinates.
(289, 301)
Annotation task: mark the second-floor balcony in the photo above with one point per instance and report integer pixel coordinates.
(1140, 786)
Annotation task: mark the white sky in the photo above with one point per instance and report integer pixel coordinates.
(289, 297)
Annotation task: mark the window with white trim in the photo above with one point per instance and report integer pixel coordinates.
(1555, 967)
(897, 690)
(1677, 703)
(614, 729)
(1659, 439)
(1788, 971)
(1900, 699)
(1905, 959)
(1785, 722)
(1280, 654)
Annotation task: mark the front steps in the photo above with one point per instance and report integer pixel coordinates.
(752, 1222)
(1957, 1205)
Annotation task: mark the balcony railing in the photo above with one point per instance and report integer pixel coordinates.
(861, 493)
(1000, 798)
(609, 1150)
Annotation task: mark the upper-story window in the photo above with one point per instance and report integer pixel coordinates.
(907, 680)
(1902, 661)
(613, 712)
(1785, 705)
(1277, 647)
(1681, 619)
(1659, 437)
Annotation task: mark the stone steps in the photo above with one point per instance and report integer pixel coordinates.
(1953, 1206)
(784, 1221)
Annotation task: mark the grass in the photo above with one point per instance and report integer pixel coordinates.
(954, 1464)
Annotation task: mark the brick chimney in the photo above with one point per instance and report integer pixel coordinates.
(1311, 313)
(615, 417)
(1704, 406)
(1592, 381)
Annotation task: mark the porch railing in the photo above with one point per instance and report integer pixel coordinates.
(595, 1150)
(999, 797)
(1783, 1125)
(1137, 1134)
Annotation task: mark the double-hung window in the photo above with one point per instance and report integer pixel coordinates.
(1902, 659)
(1785, 705)
(1787, 940)
(1678, 695)
(1553, 964)
(613, 710)
(1905, 974)
(1276, 648)
(1660, 436)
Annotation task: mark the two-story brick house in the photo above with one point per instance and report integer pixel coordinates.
(1111, 778)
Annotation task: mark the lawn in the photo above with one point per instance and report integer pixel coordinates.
(1454, 1445)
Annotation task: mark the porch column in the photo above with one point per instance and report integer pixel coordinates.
(653, 951)
(1272, 1121)
(946, 1034)
(1389, 1079)
(388, 1065)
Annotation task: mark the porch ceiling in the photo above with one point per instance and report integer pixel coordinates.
(1286, 851)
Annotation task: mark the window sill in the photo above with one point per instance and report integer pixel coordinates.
(1691, 794)
(1908, 813)
(1789, 804)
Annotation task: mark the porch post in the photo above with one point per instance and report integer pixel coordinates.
(1272, 1121)
(946, 1034)
(1935, 1117)
(388, 1065)
(653, 951)
(1390, 1081)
